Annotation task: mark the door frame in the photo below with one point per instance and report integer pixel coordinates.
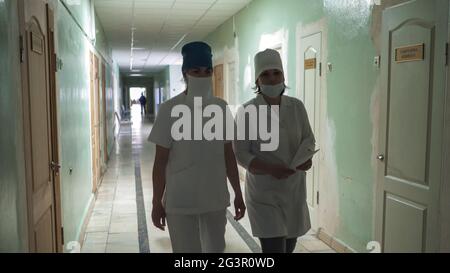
(304, 31)
(94, 94)
(53, 108)
(92, 117)
(444, 206)
(104, 119)
(443, 220)
(228, 57)
(227, 86)
(54, 124)
(222, 65)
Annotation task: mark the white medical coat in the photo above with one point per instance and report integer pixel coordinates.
(196, 179)
(278, 208)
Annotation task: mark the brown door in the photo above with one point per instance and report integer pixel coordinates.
(41, 147)
(104, 118)
(218, 81)
(54, 128)
(95, 122)
(97, 114)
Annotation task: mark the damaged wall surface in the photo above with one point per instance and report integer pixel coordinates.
(349, 118)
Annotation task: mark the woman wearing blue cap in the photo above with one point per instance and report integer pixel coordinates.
(190, 176)
(275, 190)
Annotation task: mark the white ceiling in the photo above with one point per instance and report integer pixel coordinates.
(148, 34)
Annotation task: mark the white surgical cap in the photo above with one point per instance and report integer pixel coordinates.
(266, 60)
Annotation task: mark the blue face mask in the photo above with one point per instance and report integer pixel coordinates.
(272, 91)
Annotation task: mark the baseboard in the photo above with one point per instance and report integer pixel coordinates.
(86, 220)
(334, 243)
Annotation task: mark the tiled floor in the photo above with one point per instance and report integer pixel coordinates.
(113, 226)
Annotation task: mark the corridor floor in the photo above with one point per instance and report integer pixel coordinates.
(121, 222)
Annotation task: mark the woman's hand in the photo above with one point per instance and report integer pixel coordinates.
(159, 215)
(305, 166)
(280, 171)
(159, 185)
(239, 207)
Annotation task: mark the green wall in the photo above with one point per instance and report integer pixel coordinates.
(81, 12)
(349, 88)
(13, 225)
(73, 48)
(101, 42)
(73, 90)
(351, 44)
(74, 126)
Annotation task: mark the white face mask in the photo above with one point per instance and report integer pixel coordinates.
(272, 90)
(199, 87)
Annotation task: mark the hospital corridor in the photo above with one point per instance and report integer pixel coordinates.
(121, 220)
(224, 126)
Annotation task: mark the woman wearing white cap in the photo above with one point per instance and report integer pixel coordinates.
(190, 176)
(275, 185)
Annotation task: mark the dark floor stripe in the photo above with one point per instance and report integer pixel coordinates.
(248, 239)
(144, 246)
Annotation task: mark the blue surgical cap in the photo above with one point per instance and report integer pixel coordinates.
(196, 54)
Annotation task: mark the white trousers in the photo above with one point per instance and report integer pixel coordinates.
(198, 233)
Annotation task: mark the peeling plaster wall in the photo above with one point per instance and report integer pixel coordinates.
(350, 100)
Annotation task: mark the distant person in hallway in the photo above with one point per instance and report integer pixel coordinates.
(143, 102)
(275, 187)
(190, 176)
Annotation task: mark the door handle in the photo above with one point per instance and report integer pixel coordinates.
(380, 157)
(55, 167)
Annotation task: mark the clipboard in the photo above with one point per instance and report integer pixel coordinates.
(305, 152)
(300, 159)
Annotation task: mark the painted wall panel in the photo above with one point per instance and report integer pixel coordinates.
(13, 223)
(73, 48)
(81, 11)
(73, 85)
(348, 176)
(74, 126)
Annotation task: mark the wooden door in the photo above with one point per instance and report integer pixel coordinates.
(218, 81)
(54, 128)
(310, 60)
(232, 95)
(104, 117)
(411, 126)
(40, 127)
(95, 122)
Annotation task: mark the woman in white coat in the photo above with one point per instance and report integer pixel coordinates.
(275, 191)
